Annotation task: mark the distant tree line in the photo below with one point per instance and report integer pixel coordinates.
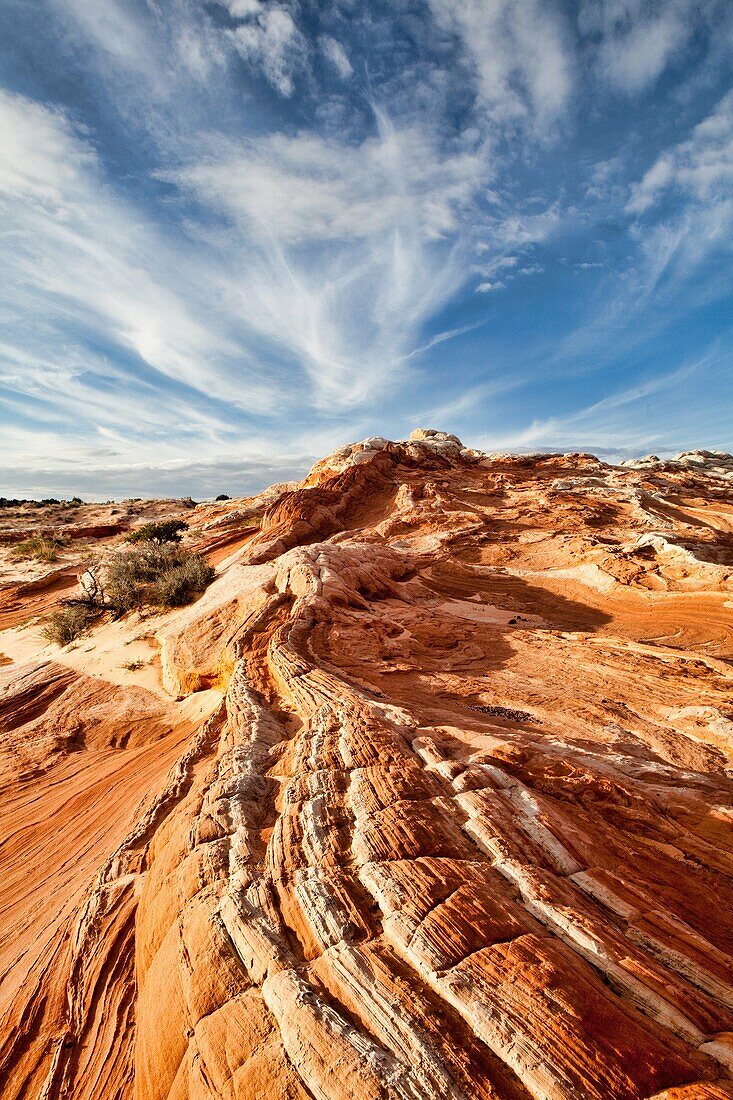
(18, 502)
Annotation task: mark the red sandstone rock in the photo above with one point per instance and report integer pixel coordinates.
(461, 826)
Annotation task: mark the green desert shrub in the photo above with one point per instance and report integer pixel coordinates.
(177, 585)
(157, 574)
(129, 576)
(68, 624)
(167, 530)
(37, 549)
(125, 583)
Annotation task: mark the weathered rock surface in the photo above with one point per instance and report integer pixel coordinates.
(454, 820)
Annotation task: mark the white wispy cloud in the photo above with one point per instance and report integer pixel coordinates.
(679, 218)
(655, 416)
(508, 241)
(149, 56)
(67, 241)
(349, 247)
(35, 166)
(629, 44)
(335, 53)
(674, 243)
(267, 36)
(636, 39)
(442, 337)
(79, 259)
(520, 54)
(702, 166)
(305, 189)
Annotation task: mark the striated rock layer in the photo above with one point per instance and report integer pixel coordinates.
(454, 822)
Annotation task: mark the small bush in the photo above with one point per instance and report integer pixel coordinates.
(38, 549)
(129, 575)
(155, 574)
(177, 585)
(223, 496)
(168, 530)
(68, 624)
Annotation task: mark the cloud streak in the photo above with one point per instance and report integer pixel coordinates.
(349, 248)
(267, 37)
(519, 54)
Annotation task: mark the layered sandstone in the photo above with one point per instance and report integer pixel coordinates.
(427, 796)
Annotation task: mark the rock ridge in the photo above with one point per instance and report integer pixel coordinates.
(456, 821)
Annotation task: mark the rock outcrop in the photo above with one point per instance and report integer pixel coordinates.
(719, 463)
(453, 818)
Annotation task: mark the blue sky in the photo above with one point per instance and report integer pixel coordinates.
(235, 235)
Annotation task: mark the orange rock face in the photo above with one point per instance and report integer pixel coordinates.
(455, 821)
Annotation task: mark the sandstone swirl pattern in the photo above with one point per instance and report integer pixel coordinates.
(460, 826)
